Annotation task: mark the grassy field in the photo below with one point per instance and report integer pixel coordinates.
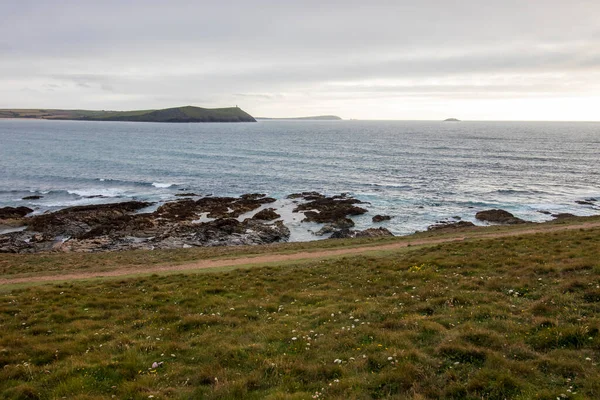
(491, 318)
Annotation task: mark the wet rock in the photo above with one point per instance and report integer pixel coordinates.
(342, 234)
(111, 227)
(231, 207)
(14, 212)
(190, 194)
(498, 217)
(367, 233)
(268, 214)
(306, 196)
(564, 216)
(252, 196)
(322, 209)
(178, 210)
(451, 226)
(381, 218)
(585, 202)
(373, 233)
(544, 212)
(75, 221)
(341, 224)
(34, 197)
(25, 242)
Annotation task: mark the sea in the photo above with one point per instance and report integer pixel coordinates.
(419, 172)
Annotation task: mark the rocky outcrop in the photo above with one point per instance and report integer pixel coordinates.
(268, 214)
(339, 225)
(14, 212)
(381, 218)
(564, 216)
(76, 221)
(587, 202)
(498, 217)
(373, 233)
(450, 226)
(322, 209)
(231, 207)
(367, 233)
(120, 226)
(176, 224)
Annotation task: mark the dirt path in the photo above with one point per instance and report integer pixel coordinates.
(300, 256)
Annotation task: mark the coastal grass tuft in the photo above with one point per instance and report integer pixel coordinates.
(515, 317)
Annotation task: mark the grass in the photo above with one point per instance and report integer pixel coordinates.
(513, 317)
(23, 265)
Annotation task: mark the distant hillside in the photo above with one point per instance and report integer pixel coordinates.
(314, 118)
(177, 114)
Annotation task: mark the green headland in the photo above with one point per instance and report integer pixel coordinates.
(176, 114)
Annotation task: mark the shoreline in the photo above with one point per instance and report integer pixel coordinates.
(192, 220)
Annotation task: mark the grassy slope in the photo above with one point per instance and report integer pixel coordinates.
(496, 318)
(24, 265)
(176, 114)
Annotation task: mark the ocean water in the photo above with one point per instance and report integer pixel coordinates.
(419, 172)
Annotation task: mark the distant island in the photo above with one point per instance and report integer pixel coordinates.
(452, 120)
(177, 114)
(313, 118)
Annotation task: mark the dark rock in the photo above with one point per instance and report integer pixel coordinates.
(268, 214)
(34, 197)
(499, 217)
(111, 227)
(451, 226)
(227, 207)
(342, 234)
(178, 210)
(544, 212)
(14, 212)
(323, 209)
(374, 232)
(189, 194)
(585, 202)
(381, 218)
(75, 221)
(367, 233)
(306, 196)
(456, 217)
(341, 224)
(564, 216)
(253, 196)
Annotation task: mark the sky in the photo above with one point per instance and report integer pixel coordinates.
(416, 60)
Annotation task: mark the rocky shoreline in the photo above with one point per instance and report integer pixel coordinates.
(200, 221)
(207, 221)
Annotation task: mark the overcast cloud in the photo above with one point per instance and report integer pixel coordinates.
(534, 59)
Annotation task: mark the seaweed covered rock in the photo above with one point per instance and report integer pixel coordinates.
(498, 217)
(450, 226)
(268, 214)
(323, 209)
(14, 212)
(381, 218)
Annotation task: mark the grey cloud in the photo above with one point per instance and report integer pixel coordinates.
(163, 53)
